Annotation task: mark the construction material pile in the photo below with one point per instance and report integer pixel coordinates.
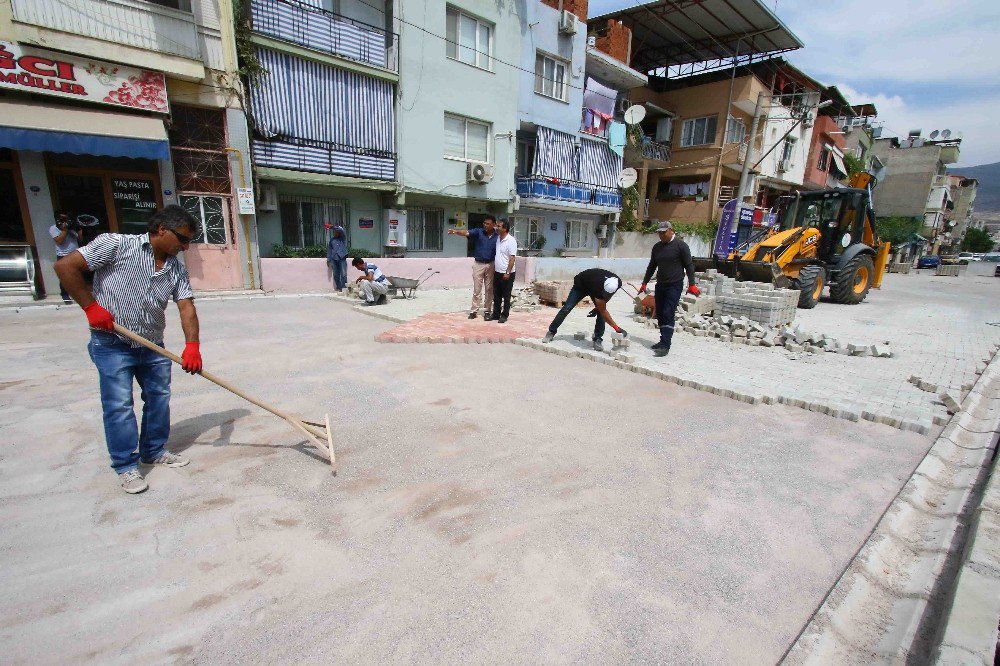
(743, 330)
(552, 292)
(525, 299)
(757, 301)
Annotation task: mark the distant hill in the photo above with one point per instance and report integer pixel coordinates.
(988, 194)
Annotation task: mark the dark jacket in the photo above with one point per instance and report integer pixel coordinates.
(670, 260)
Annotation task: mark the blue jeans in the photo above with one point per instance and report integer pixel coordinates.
(667, 297)
(575, 296)
(339, 268)
(117, 365)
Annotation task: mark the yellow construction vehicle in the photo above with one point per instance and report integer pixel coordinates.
(825, 238)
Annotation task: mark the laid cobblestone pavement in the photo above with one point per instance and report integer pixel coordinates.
(939, 329)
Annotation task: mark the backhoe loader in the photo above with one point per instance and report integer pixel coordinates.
(825, 238)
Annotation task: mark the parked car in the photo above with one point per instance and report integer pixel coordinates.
(929, 261)
(953, 260)
(992, 257)
(969, 256)
(977, 256)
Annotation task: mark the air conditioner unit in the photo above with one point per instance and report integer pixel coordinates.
(602, 231)
(268, 198)
(479, 172)
(568, 23)
(784, 165)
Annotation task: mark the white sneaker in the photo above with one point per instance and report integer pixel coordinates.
(132, 482)
(170, 460)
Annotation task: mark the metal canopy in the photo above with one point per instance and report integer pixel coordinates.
(671, 33)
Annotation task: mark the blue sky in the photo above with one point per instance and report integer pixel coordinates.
(926, 64)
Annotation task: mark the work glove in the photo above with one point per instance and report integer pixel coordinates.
(693, 289)
(191, 358)
(642, 288)
(592, 313)
(99, 318)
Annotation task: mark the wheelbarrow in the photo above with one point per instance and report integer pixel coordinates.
(406, 286)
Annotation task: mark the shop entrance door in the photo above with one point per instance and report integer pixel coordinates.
(213, 260)
(83, 197)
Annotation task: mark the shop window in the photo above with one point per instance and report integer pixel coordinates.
(527, 231)
(135, 203)
(198, 149)
(211, 216)
(304, 220)
(578, 234)
(424, 230)
(11, 223)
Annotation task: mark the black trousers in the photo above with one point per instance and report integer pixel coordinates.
(501, 294)
(667, 297)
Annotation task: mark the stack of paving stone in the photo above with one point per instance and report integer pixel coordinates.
(743, 330)
(552, 292)
(524, 300)
(756, 301)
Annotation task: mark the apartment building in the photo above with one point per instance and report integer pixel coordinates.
(111, 109)
(323, 121)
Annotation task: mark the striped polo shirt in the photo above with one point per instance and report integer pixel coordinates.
(127, 284)
(377, 275)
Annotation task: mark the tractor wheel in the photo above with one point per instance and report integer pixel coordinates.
(811, 281)
(854, 281)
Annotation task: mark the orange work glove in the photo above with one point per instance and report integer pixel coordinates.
(693, 289)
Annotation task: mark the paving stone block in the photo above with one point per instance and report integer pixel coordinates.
(579, 335)
(950, 403)
(793, 347)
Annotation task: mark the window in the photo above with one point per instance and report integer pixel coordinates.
(550, 77)
(466, 139)
(736, 130)
(578, 233)
(824, 157)
(198, 149)
(469, 39)
(210, 213)
(527, 231)
(303, 220)
(698, 131)
(424, 230)
(183, 5)
(787, 152)
(525, 158)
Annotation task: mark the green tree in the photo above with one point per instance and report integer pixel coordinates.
(854, 164)
(977, 240)
(897, 230)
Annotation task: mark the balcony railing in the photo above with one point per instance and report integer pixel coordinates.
(655, 150)
(130, 22)
(298, 154)
(726, 193)
(570, 191)
(320, 30)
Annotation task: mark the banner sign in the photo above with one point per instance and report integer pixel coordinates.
(727, 229)
(366, 223)
(244, 196)
(32, 70)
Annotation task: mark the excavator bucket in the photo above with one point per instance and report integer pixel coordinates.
(750, 271)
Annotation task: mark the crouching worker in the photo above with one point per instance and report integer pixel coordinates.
(600, 285)
(372, 284)
(134, 277)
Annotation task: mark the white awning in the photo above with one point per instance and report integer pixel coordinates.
(67, 129)
(839, 161)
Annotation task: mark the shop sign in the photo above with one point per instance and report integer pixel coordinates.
(128, 193)
(49, 73)
(245, 197)
(366, 223)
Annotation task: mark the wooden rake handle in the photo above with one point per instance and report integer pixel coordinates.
(308, 429)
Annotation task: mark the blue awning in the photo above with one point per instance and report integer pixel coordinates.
(67, 129)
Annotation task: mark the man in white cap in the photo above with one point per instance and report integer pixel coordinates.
(600, 285)
(670, 258)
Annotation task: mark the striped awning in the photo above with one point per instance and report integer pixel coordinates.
(322, 118)
(555, 154)
(598, 165)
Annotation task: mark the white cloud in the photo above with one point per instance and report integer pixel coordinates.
(904, 41)
(975, 118)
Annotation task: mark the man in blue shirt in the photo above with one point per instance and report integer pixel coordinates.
(485, 250)
(336, 255)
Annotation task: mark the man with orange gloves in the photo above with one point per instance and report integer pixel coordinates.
(134, 276)
(670, 258)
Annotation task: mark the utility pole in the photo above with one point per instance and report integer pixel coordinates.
(744, 175)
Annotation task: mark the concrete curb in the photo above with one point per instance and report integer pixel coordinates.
(893, 600)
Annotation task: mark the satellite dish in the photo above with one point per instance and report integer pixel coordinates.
(627, 178)
(934, 134)
(946, 134)
(634, 114)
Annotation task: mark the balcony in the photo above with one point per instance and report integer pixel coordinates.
(324, 31)
(654, 151)
(567, 194)
(130, 22)
(323, 157)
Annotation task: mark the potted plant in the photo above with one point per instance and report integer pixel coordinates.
(534, 249)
